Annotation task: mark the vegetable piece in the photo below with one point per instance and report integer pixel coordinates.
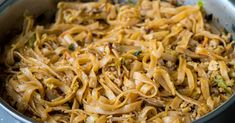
(221, 83)
(137, 53)
(32, 40)
(71, 47)
(219, 80)
(200, 4)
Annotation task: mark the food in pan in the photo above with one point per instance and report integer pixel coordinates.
(149, 61)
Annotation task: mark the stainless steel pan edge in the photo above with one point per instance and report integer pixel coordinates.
(11, 111)
(11, 19)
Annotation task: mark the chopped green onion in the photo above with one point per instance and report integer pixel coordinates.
(200, 3)
(137, 53)
(71, 47)
(32, 40)
(221, 83)
(219, 80)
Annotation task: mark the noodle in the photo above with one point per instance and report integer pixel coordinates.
(103, 62)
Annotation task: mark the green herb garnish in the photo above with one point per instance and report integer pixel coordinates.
(137, 53)
(71, 47)
(221, 83)
(32, 40)
(219, 80)
(200, 3)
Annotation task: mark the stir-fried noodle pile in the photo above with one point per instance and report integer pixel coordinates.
(105, 62)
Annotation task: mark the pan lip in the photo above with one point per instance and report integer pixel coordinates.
(3, 104)
(5, 4)
(211, 115)
(20, 117)
(15, 114)
(218, 110)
